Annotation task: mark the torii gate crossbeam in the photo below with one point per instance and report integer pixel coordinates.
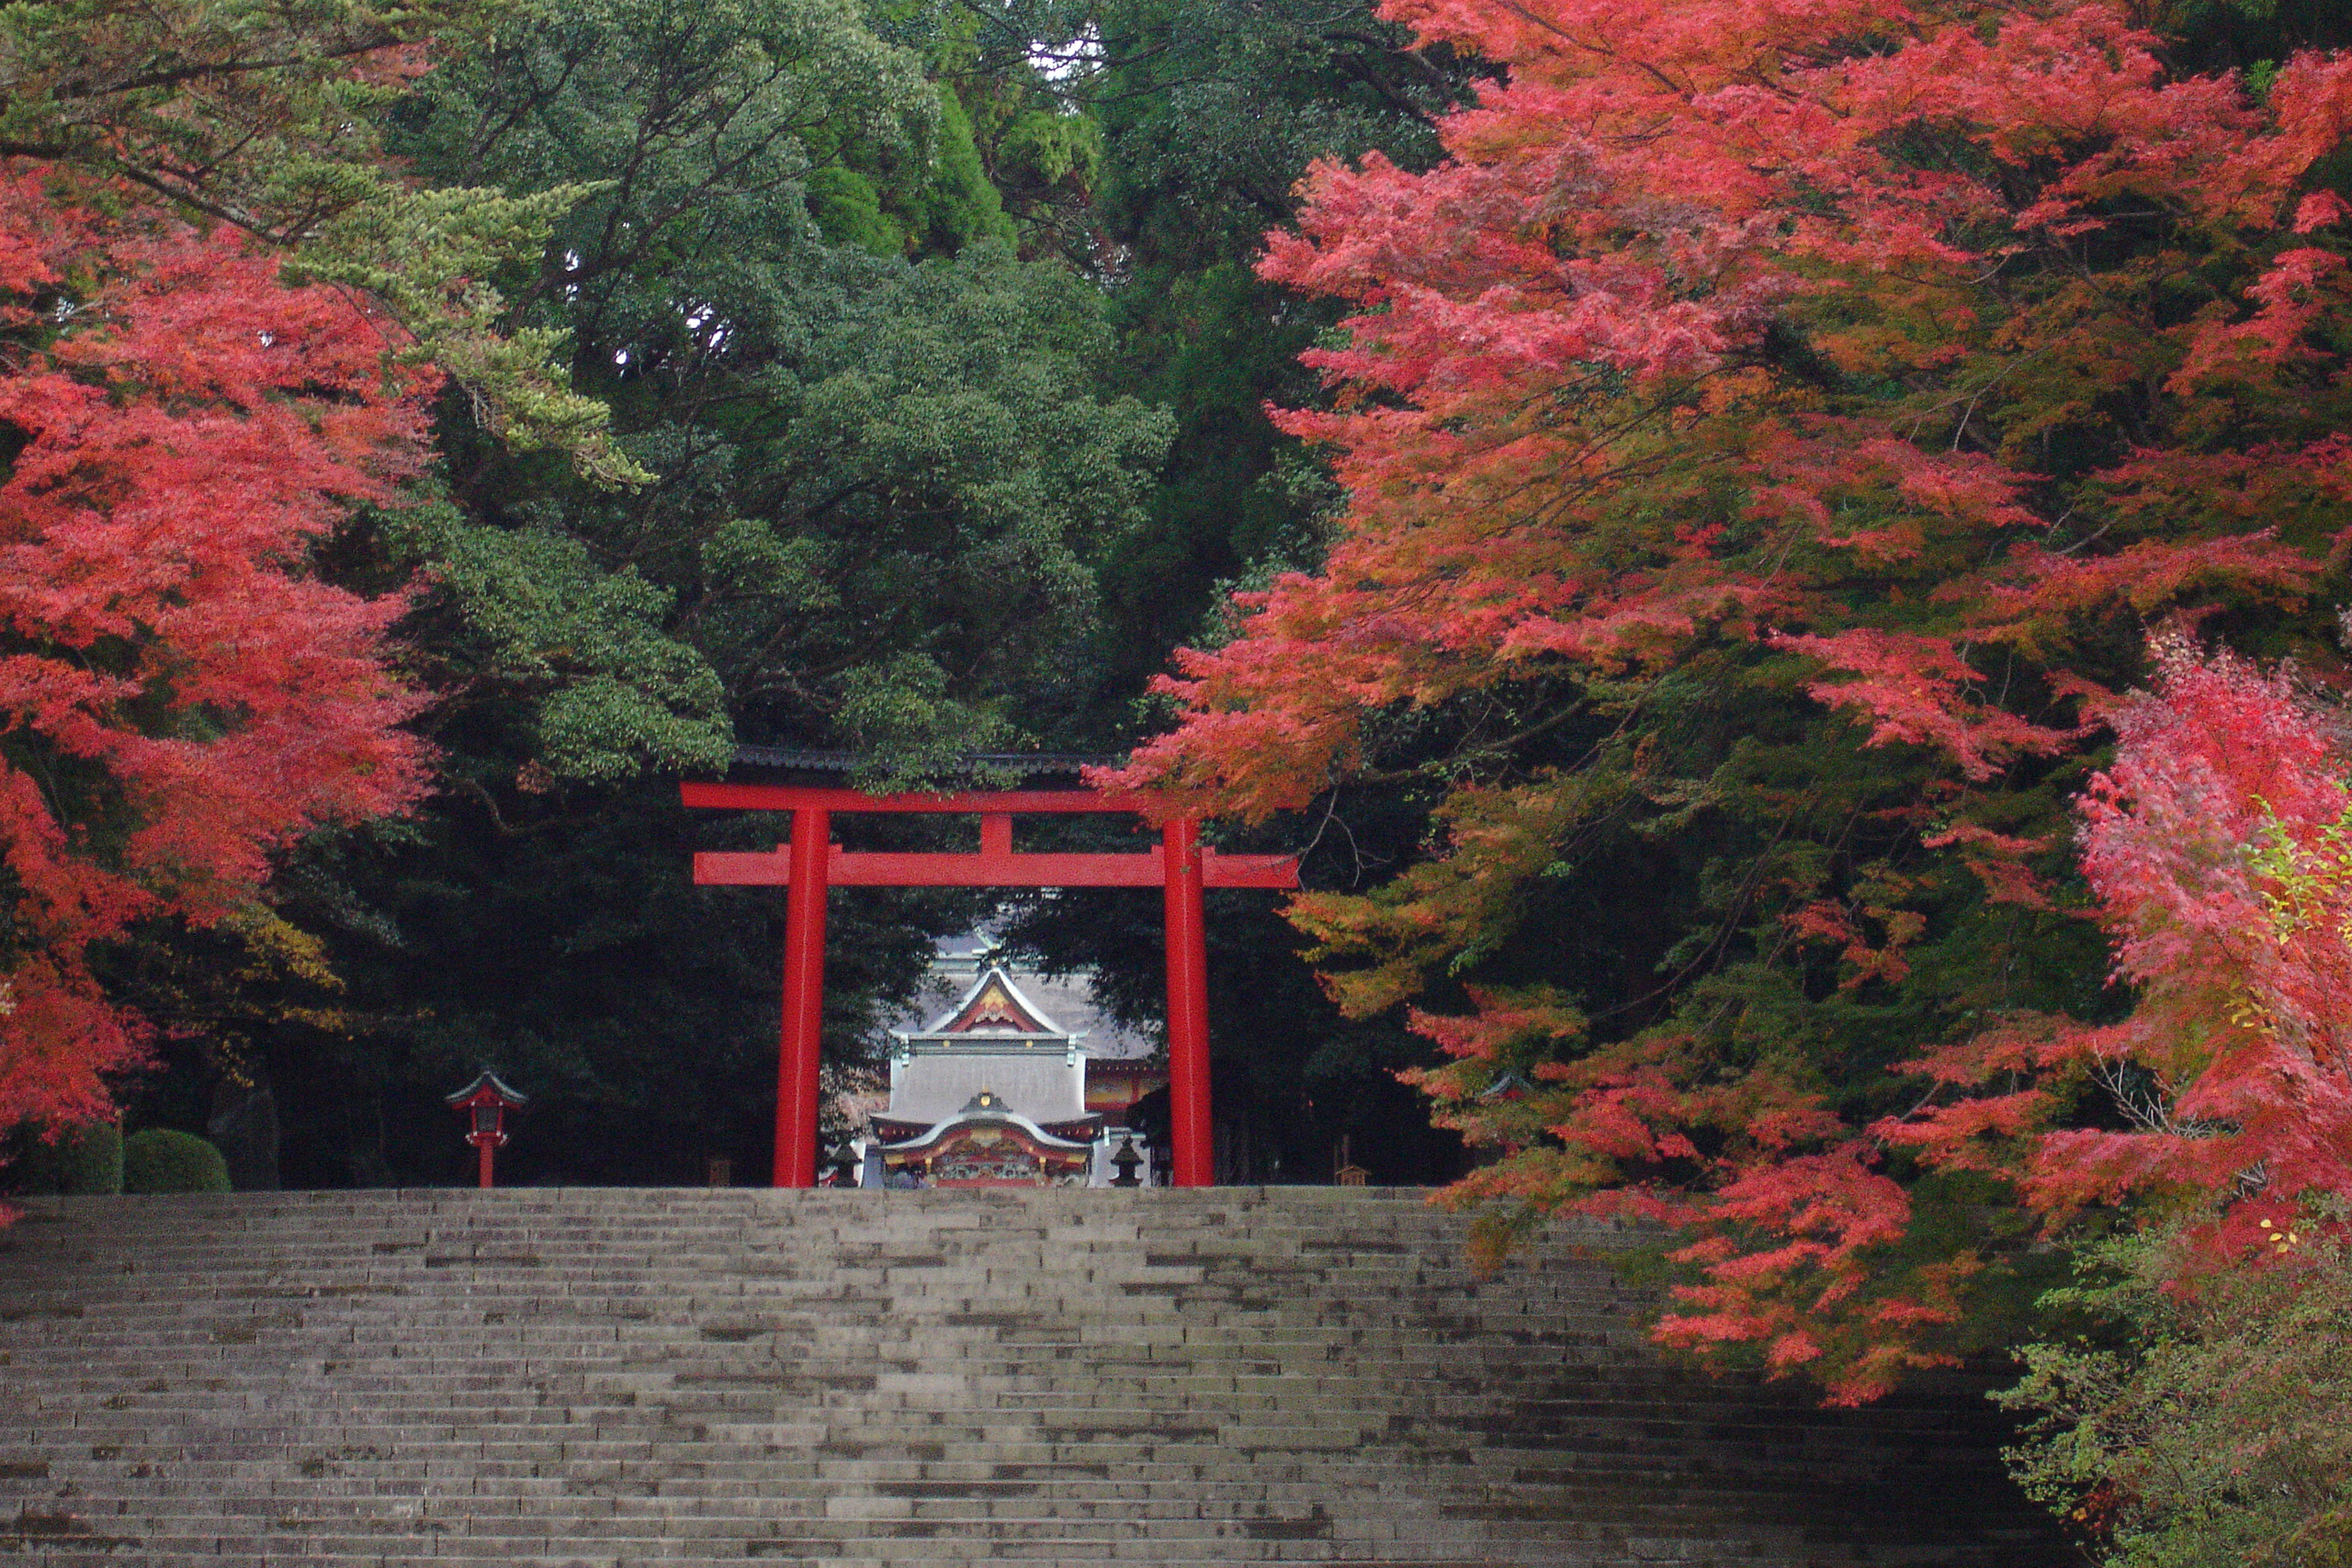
(809, 864)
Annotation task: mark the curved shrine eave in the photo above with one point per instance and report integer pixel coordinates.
(1019, 1125)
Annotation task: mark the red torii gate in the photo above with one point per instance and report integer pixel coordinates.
(809, 864)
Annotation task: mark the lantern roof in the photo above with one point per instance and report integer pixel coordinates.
(488, 1086)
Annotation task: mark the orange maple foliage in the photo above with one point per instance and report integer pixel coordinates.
(1908, 358)
(181, 695)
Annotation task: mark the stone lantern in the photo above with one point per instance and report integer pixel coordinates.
(1125, 1162)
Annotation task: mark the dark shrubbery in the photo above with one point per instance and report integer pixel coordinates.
(160, 1160)
(83, 1159)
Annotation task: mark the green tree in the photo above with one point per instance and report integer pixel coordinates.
(881, 482)
(882, 476)
(2183, 1427)
(1211, 111)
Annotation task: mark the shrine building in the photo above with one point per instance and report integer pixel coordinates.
(996, 1093)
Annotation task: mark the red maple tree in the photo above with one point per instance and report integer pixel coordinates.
(181, 694)
(1907, 358)
(2217, 845)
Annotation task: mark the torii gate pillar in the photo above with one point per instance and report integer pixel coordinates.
(810, 864)
(804, 999)
(1188, 1004)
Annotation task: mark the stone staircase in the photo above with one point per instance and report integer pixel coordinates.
(606, 1377)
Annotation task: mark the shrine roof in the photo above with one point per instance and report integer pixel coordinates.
(991, 1005)
(935, 1085)
(1069, 1000)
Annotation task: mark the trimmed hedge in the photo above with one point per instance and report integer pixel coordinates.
(83, 1159)
(160, 1160)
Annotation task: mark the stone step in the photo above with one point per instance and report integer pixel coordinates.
(613, 1377)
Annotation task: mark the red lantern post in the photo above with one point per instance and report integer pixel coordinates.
(485, 1102)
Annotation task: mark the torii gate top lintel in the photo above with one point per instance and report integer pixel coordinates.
(810, 862)
(995, 865)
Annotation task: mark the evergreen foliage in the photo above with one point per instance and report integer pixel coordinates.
(1211, 111)
(79, 1160)
(885, 473)
(821, 418)
(162, 1160)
